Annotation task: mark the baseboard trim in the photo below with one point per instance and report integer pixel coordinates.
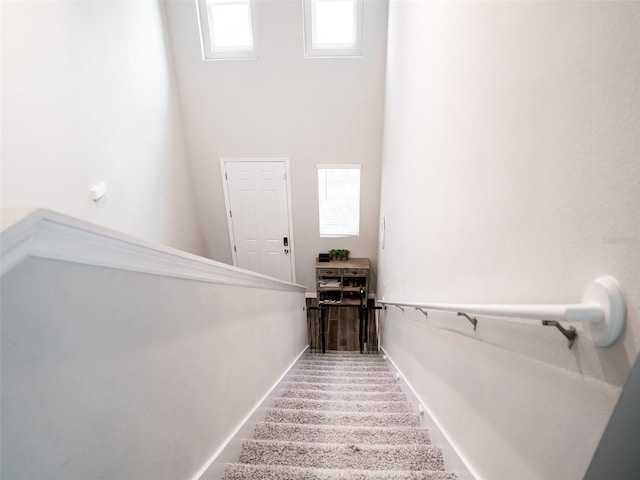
(434, 418)
(247, 417)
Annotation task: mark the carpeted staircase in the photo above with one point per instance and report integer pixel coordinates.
(340, 417)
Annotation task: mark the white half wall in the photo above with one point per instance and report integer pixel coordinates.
(89, 96)
(115, 373)
(310, 110)
(510, 175)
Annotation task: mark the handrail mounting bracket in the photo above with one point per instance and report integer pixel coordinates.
(424, 312)
(473, 320)
(570, 332)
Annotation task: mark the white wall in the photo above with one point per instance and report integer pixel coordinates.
(88, 96)
(106, 375)
(283, 105)
(510, 175)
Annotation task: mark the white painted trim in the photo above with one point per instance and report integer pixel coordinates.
(15, 242)
(227, 204)
(228, 54)
(54, 236)
(247, 417)
(292, 245)
(355, 50)
(326, 166)
(464, 460)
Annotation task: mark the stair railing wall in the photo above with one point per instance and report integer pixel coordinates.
(502, 370)
(122, 359)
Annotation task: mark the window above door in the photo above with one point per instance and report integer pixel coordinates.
(227, 28)
(333, 28)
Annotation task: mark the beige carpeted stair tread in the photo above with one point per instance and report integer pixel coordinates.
(339, 395)
(343, 373)
(342, 363)
(340, 367)
(295, 377)
(343, 405)
(342, 434)
(344, 359)
(334, 354)
(343, 387)
(237, 471)
(345, 365)
(342, 456)
(342, 418)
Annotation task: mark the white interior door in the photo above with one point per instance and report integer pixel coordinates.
(257, 196)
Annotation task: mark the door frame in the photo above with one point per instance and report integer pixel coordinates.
(227, 204)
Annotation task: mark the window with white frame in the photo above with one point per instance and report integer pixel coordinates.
(339, 200)
(227, 28)
(333, 28)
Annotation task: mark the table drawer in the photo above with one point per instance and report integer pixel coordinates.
(355, 272)
(329, 271)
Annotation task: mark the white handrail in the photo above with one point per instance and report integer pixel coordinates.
(569, 313)
(602, 308)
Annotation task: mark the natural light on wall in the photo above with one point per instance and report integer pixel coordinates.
(227, 28)
(333, 28)
(339, 200)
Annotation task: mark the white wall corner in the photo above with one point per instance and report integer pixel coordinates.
(426, 408)
(200, 475)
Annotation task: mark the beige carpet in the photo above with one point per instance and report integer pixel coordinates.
(340, 417)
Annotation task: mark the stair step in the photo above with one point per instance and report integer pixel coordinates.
(333, 353)
(343, 406)
(337, 357)
(345, 357)
(353, 362)
(335, 456)
(344, 363)
(343, 373)
(340, 379)
(342, 434)
(344, 396)
(343, 387)
(337, 370)
(341, 367)
(237, 471)
(342, 418)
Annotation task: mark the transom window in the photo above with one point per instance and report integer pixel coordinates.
(333, 28)
(339, 200)
(227, 28)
